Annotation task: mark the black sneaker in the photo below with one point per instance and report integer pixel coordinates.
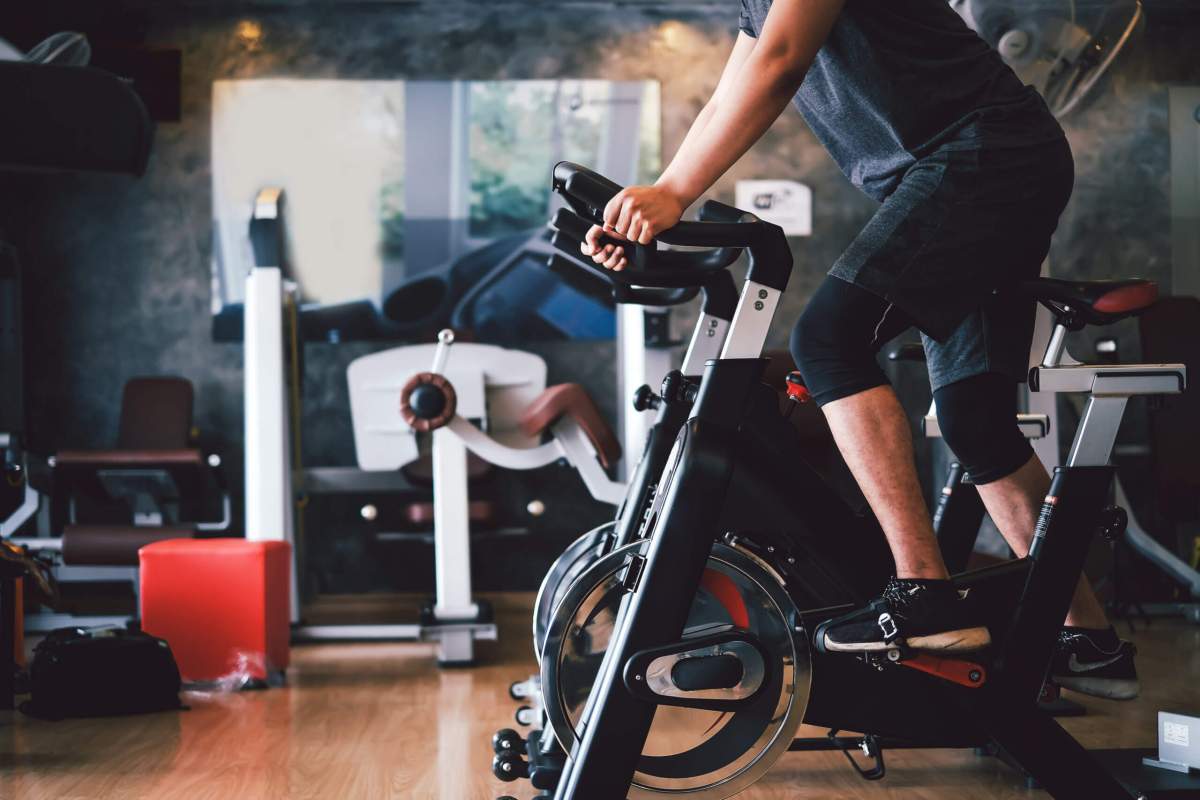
(924, 615)
(1096, 663)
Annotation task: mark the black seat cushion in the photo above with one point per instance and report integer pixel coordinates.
(1094, 302)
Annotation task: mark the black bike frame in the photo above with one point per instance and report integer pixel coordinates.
(683, 526)
(719, 301)
(1024, 601)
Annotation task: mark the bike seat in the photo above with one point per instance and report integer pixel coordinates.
(1094, 302)
(571, 399)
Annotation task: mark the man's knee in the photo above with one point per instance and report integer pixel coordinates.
(813, 342)
(832, 351)
(977, 417)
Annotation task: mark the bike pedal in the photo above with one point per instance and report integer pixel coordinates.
(893, 655)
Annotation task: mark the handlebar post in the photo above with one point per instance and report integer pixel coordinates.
(442, 354)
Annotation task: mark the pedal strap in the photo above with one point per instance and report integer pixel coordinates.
(887, 624)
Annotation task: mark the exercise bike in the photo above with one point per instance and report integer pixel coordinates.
(681, 662)
(672, 405)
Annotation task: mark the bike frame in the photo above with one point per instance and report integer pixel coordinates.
(1027, 598)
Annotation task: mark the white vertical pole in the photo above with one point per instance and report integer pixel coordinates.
(617, 157)
(269, 512)
(452, 544)
(631, 373)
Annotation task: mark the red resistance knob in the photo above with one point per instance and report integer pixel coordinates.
(796, 390)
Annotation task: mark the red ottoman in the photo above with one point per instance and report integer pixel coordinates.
(222, 605)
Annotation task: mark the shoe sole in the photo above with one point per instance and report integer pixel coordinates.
(1106, 688)
(960, 641)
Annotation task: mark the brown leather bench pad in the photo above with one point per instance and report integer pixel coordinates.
(114, 545)
(571, 399)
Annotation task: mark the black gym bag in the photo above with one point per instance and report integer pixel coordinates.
(77, 672)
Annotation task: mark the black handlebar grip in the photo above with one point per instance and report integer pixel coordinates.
(621, 292)
(715, 211)
(570, 223)
(771, 258)
(578, 183)
(576, 227)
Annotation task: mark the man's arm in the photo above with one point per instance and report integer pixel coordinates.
(742, 48)
(759, 81)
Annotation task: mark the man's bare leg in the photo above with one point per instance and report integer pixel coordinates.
(1014, 503)
(871, 431)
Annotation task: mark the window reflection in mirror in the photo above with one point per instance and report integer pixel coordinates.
(412, 205)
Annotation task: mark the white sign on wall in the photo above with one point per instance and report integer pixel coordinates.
(787, 204)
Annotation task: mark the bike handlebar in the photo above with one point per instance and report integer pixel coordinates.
(726, 231)
(621, 293)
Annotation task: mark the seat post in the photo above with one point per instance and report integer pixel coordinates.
(1057, 345)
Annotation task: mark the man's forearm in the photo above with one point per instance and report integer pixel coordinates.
(683, 154)
(732, 127)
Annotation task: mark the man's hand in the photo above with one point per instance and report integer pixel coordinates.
(636, 214)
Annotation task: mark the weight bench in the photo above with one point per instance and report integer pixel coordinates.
(154, 485)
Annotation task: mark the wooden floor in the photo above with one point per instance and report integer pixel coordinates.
(381, 721)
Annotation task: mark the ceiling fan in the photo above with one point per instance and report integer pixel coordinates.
(1060, 47)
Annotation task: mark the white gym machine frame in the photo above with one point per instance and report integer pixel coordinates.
(490, 384)
(269, 481)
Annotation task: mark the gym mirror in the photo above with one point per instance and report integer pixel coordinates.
(413, 205)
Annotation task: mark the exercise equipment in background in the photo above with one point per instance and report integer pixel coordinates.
(394, 401)
(1060, 47)
(500, 291)
(504, 294)
(501, 390)
(71, 118)
(1169, 332)
(59, 116)
(65, 118)
(155, 484)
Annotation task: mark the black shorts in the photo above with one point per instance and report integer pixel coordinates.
(965, 224)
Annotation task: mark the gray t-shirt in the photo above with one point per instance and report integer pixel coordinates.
(897, 79)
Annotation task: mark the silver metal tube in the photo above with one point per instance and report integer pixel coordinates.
(1097, 432)
(37, 543)
(751, 321)
(1054, 350)
(707, 340)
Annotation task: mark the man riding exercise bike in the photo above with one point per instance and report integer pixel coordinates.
(972, 173)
